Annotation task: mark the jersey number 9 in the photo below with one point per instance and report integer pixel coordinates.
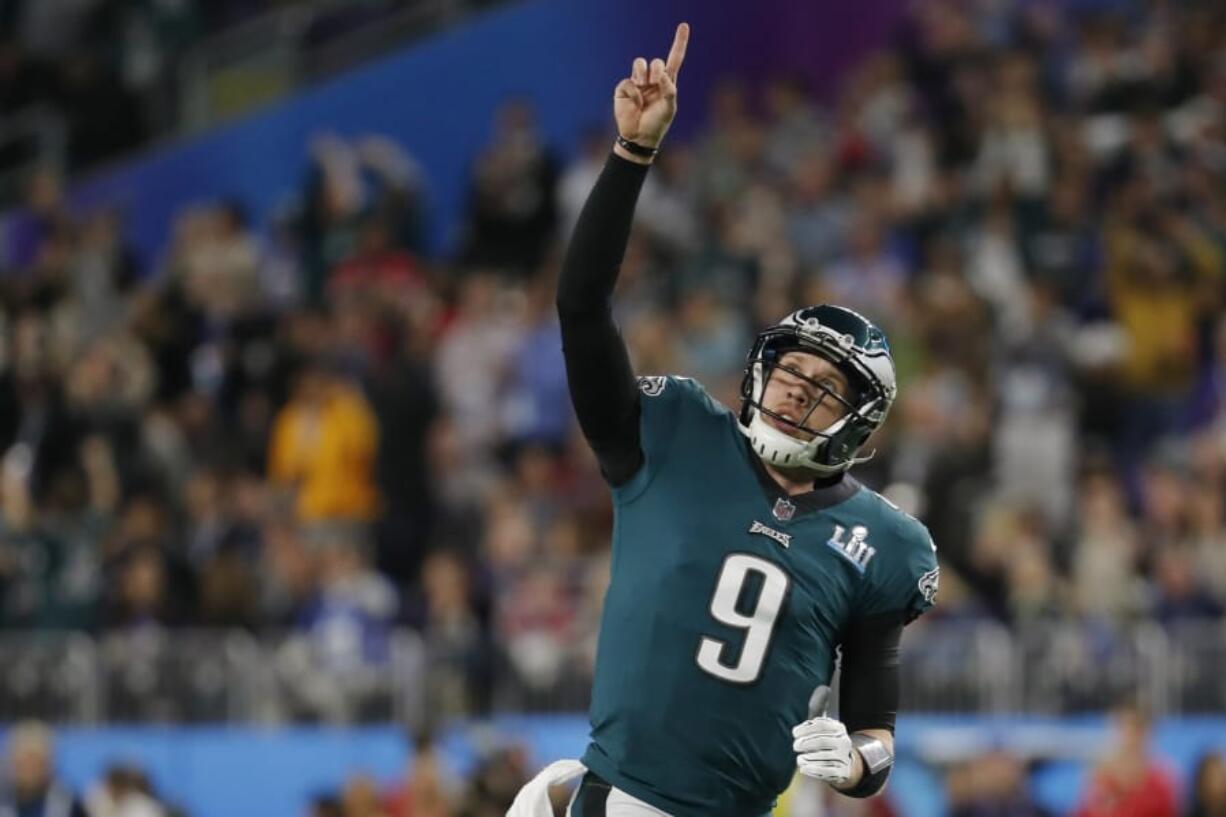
(758, 623)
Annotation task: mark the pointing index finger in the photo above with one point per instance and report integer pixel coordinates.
(676, 54)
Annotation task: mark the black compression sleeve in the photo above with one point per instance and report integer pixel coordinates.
(869, 685)
(602, 384)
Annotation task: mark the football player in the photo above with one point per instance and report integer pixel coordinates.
(744, 554)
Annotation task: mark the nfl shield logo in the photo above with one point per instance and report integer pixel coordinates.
(783, 509)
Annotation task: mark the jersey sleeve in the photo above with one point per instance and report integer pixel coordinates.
(666, 402)
(598, 371)
(905, 580)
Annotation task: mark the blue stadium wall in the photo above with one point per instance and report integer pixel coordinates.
(437, 96)
(253, 772)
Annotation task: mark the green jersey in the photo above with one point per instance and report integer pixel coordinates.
(725, 607)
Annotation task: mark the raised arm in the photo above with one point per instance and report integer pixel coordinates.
(602, 383)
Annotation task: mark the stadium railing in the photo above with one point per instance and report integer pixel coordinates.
(203, 676)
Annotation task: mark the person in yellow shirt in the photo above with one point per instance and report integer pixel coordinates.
(1161, 283)
(323, 447)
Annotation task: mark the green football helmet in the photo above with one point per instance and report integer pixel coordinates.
(861, 352)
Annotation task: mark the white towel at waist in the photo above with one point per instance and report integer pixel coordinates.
(533, 798)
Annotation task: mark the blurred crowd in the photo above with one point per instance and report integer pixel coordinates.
(1125, 777)
(312, 426)
(34, 790)
(427, 788)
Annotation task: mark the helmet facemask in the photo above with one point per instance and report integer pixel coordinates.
(771, 365)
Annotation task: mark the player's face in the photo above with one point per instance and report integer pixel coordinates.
(807, 390)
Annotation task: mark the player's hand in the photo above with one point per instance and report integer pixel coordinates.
(645, 102)
(824, 751)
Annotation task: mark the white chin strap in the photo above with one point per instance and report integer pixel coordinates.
(785, 451)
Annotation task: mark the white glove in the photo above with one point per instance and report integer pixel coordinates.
(823, 750)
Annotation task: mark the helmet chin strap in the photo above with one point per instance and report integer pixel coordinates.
(782, 450)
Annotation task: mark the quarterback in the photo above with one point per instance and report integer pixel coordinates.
(745, 558)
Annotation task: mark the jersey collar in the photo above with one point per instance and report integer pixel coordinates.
(818, 499)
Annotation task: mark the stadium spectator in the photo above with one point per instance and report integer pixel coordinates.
(456, 642)
(797, 126)
(1108, 546)
(1181, 594)
(473, 355)
(404, 396)
(535, 407)
(141, 597)
(325, 805)
(1129, 781)
(287, 574)
(322, 448)
(711, 338)
(1208, 787)
(991, 786)
(513, 207)
(493, 784)
(870, 277)
(1206, 535)
(359, 195)
(577, 179)
(425, 791)
(818, 214)
(512, 210)
(35, 791)
(1163, 278)
(360, 798)
(123, 792)
(335, 669)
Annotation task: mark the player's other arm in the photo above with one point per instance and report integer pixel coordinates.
(854, 755)
(601, 380)
(869, 694)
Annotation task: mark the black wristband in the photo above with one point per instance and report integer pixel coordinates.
(870, 784)
(636, 148)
